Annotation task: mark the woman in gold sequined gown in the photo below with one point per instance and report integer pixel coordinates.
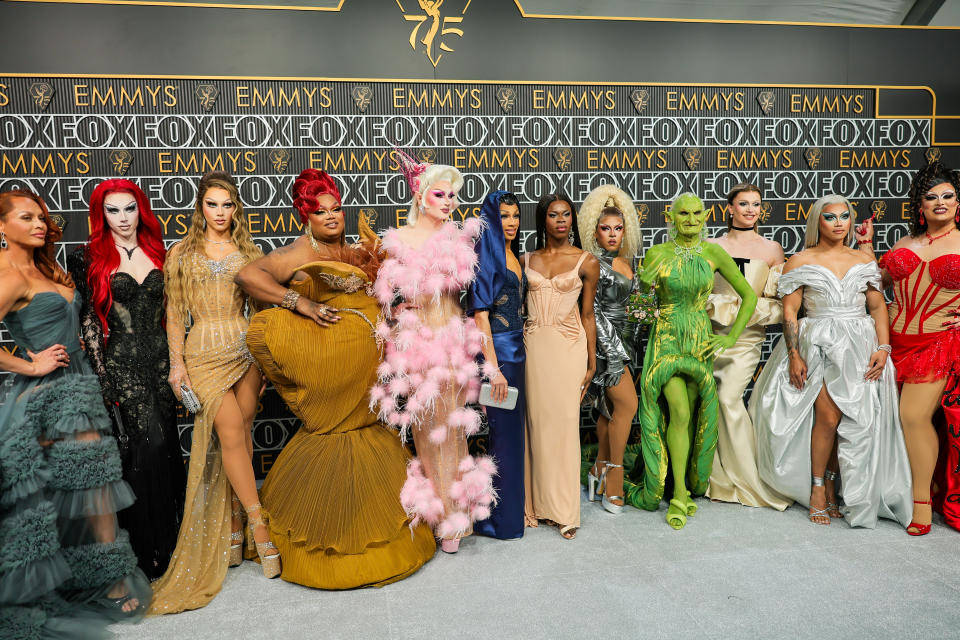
(332, 494)
(214, 362)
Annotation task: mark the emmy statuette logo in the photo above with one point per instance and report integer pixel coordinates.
(279, 159)
(431, 33)
(41, 93)
(766, 100)
(59, 220)
(368, 216)
(427, 155)
(507, 98)
(692, 156)
(362, 95)
(120, 160)
(932, 154)
(765, 210)
(207, 95)
(640, 99)
(643, 212)
(813, 156)
(878, 208)
(563, 157)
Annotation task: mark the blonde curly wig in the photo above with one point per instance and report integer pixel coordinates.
(602, 197)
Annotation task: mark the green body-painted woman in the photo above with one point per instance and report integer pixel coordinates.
(678, 409)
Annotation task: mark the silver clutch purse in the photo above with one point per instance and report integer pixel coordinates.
(189, 399)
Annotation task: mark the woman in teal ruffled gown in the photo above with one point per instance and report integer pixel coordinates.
(66, 569)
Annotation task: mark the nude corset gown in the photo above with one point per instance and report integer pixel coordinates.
(556, 347)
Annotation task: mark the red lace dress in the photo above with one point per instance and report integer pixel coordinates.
(923, 350)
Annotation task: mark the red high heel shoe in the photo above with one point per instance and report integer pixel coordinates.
(921, 529)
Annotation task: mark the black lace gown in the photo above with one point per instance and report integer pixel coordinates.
(132, 365)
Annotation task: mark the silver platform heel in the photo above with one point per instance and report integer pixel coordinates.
(605, 501)
(595, 484)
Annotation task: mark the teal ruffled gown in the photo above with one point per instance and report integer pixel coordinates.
(61, 553)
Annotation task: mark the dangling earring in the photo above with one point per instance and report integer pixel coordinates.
(3, 240)
(923, 220)
(570, 237)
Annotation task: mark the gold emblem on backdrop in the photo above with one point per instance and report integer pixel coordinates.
(932, 154)
(362, 95)
(41, 93)
(427, 155)
(59, 220)
(640, 99)
(507, 98)
(878, 208)
(766, 99)
(120, 160)
(813, 156)
(563, 157)
(207, 95)
(766, 209)
(279, 159)
(692, 157)
(369, 216)
(431, 34)
(643, 212)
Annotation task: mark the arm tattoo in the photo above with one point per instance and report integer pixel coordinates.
(791, 335)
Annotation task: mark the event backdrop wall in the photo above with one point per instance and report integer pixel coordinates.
(160, 94)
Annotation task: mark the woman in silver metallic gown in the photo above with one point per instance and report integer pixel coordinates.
(826, 402)
(610, 230)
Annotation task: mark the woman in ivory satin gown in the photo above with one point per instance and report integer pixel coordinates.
(560, 340)
(734, 477)
(827, 398)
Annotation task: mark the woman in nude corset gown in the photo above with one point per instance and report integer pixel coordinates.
(560, 341)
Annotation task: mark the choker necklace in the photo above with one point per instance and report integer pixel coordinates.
(945, 233)
(736, 228)
(218, 241)
(129, 252)
(687, 253)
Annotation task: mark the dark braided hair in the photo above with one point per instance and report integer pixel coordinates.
(928, 177)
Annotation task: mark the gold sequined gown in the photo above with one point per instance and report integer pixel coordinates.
(332, 494)
(216, 357)
(735, 477)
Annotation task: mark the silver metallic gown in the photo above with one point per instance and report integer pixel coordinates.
(836, 340)
(616, 338)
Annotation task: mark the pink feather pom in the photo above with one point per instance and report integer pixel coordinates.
(398, 361)
(399, 386)
(464, 276)
(472, 420)
(394, 418)
(414, 468)
(487, 465)
(427, 391)
(416, 379)
(454, 525)
(485, 498)
(405, 338)
(377, 393)
(473, 393)
(387, 404)
(413, 405)
(383, 330)
(462, 377)
(408, 319)
(384, 370)
(438, 374)
(472, 228)
(438, 435)
(434, 283)
(466, 464)
(489, 371)
(426, 333)
(456, 491)
(479, 512)
(405, 418)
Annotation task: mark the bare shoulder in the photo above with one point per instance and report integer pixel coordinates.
(905, 242)
(774, 252)
(13, 285)
(798, 260)
(859, 257)
(590, 266)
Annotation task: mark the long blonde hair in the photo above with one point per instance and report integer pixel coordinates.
(178, 269)
(597, 205)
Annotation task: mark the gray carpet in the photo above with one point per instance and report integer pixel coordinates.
(733, 572)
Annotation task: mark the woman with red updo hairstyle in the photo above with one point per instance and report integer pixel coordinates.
(923, 268)
(119, 276)
(332, 493)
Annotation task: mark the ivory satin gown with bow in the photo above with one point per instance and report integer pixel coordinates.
(734, 477)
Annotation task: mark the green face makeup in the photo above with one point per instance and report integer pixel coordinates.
(688, 215)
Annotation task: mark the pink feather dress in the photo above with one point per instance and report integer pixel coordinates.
(428, 374)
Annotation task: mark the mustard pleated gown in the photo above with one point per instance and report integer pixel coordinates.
(332, 496)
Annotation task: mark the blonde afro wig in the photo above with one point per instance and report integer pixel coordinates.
(602, 197)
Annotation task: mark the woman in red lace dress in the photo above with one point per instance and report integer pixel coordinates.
(924, 270)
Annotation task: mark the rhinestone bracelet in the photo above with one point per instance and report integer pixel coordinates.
(885, 347)
(289, 300)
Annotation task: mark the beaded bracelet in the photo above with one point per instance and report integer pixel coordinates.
(289, 300)
(885, 347)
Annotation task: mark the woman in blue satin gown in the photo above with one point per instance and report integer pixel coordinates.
(66, 568)
(495, 301)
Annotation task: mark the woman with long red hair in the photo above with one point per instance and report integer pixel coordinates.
(67, 568)
(119, 274)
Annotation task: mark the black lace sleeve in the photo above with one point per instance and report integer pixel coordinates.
(91, 331)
